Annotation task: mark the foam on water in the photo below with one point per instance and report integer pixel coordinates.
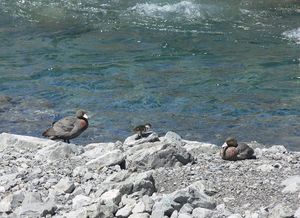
(184, 9)
(293, 35)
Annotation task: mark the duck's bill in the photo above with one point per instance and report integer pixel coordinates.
(85, 116)
(224, 145)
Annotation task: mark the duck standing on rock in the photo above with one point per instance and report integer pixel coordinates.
(233, 151)
(69, 127)
(142, 130)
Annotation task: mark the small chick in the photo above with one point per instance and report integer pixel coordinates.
(142, 130)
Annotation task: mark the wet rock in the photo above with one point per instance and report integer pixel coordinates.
(292, 184)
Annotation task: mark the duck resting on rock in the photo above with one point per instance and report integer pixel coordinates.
(68, 128)
(142, 130)
(233, 151)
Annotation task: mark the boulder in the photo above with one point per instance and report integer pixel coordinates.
(23, 142)
(132, 141)
(155, 155)
(58, 151)
(115, 157)
(95, 150)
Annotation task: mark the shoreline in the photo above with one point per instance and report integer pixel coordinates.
(172, 177)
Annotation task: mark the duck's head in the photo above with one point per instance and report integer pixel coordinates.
(81, 114)
(230, 142)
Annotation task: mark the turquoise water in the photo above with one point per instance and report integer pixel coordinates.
(204, 69)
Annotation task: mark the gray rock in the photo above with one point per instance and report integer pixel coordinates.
(236, 215)
(249, 214)
(58, 151)
(95, 150)
(125, 211)
(65, 186)
(292, 184)
(148, 202)
(23, 142)
(33, 206)
(139, 208)
(192, 146)
(111, 197)
(107, 211)
(173, 138)
(155, 155)
(79, 213)
(184, 215)
(174, 214)
(297, 213)
(186, 208)
(6, 204)
(280, 211)
(80, 201)
(139, 215)
(194, 195)
(265, 168)
(131, 140)
(142, 183)
(202, 213)
(115, 157)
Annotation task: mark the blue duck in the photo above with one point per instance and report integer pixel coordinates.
(68, 128)
(231, 150)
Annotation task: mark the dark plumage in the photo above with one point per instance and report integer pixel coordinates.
(68, 128)
(231, 150)
(142, 130)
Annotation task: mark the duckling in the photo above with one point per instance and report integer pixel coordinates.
(142, 130)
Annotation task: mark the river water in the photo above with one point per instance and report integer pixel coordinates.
(205, 69)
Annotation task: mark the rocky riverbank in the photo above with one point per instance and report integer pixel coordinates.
(153, 177)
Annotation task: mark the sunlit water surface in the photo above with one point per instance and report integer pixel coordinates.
(205, 69)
